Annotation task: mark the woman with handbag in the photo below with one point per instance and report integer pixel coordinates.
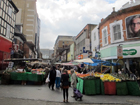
(65, 84)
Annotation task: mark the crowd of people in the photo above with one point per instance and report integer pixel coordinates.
(59, 78)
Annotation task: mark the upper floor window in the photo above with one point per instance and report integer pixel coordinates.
(116, 31)
(8, 31)
(94, 36)
(104, 36)
(10, 11)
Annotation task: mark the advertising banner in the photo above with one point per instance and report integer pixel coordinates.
(133, 26)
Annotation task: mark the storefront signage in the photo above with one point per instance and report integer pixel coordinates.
(80, 56)
(129, 52)
(119, 52)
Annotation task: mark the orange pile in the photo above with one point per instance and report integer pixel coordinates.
(83, 75)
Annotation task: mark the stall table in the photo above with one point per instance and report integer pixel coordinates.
(89, 86)
(28, 76)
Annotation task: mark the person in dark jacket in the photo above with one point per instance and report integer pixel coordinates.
(65, 84)
(52, 77)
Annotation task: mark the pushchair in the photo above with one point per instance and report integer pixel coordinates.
(78, 94)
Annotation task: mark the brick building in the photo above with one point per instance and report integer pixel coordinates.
(117, 29)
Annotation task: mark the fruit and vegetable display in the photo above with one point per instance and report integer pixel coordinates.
(108, 77)
(122, 76)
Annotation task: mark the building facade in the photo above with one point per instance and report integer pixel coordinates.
(47, 55)
(95, 43)
(83, 42)
(61, 47)
(28, 18)
(8, 12)
(122, 28)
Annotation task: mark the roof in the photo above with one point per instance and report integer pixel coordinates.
(85, 28)
(13, 5)
(60, 36)
(120, 12)
(130, 4)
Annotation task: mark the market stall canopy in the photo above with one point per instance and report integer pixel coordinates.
(86, 60)
(57, 63)
(69, 64)
(99, 62)
(21, 59)
(37, 62)
(92, 64)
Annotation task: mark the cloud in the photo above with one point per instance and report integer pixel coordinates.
(69, 17)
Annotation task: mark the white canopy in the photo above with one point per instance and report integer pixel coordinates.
(87, 60)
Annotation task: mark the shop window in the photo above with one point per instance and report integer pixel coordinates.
(116, 31)
(104, 36)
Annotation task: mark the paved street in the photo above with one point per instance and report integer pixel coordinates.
(42, 95)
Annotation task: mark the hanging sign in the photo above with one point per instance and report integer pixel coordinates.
(119, 52)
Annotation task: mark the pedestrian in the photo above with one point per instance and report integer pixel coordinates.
(58, 77)
(52, 77)
(73, 80)
(65, 85)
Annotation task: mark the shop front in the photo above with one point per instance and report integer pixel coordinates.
(131, 57)
(5, 51)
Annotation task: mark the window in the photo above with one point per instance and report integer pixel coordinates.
(94, 36)
(10, 11)
(8, 31)
(104, 36)
(116, 31)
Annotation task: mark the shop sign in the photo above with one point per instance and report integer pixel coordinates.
(119, 52)
(16, 47)
(80, 56)
(130, 52)
(10, 65)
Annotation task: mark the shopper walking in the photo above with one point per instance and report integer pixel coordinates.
(73, 80)
(58, 77)
(52, 77)
(65, 85)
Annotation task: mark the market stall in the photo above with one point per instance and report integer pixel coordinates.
(104, 82)
(18, 72)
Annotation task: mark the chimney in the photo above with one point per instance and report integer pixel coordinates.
(102, 19)
(113, 9)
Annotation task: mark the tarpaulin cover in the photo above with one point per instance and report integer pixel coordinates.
(18, 76)
(121, 88)
(80, 85)
(110, 88)
(98, 86)
(89, 87)
(133, 88)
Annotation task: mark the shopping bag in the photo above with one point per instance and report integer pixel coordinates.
(47, 79)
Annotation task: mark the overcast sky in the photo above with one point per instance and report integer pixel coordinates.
(69, 17)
